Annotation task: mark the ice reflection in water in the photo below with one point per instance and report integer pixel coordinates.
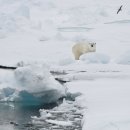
(16, 116)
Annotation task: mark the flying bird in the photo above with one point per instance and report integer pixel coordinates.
(120, 9)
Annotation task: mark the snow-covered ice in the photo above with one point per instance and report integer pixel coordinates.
(107, 103)
(37, 32)
(30, 84)
(95, 58)
(124, 58)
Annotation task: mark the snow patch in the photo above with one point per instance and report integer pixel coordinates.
(95, 58)
(66, 61)
(124, 58)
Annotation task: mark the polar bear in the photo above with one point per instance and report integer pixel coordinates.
(83, 47)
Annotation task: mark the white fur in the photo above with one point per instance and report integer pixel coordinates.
(83, 47)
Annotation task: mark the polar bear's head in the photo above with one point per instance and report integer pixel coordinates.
(92, 47)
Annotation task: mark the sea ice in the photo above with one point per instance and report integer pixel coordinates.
(32, 83)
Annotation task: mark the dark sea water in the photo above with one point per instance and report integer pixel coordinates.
(16, 116)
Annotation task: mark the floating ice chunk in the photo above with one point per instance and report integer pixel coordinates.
(36, 81)
(30, 84)
(32, 76)
(8, 91)
(8, 94)
(61, 123)
(69, 114)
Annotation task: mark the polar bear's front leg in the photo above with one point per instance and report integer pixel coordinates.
(77, 56)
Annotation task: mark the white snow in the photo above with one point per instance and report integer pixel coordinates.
(124, 58)
(107, 103)
(95, 58)
(38, 32)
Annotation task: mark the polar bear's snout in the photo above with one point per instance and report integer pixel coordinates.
(92, 47)
(92, 44)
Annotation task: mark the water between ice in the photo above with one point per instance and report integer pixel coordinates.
(16, 116)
